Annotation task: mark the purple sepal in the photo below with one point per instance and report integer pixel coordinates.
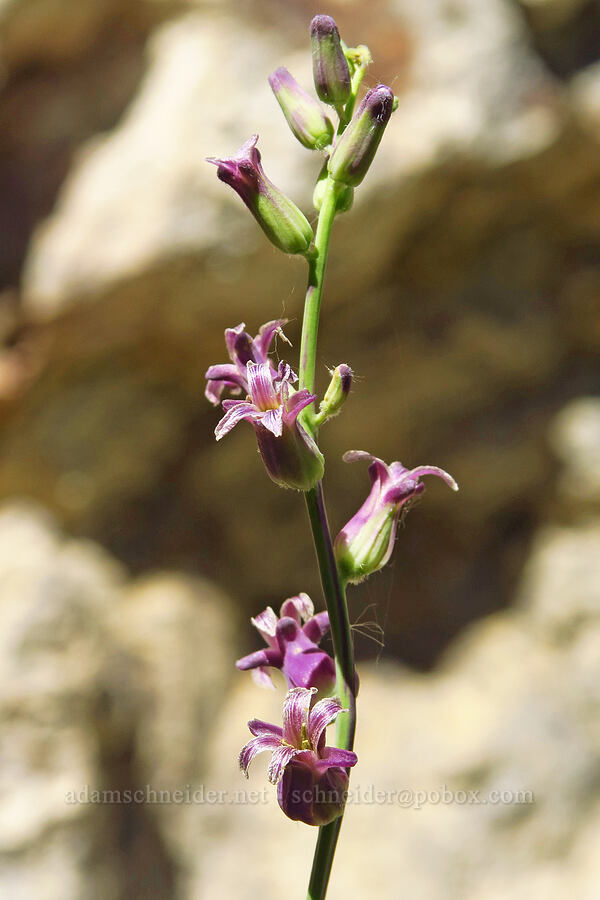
(309, 796)
(365, 543)
(293, 646)
(311, 778)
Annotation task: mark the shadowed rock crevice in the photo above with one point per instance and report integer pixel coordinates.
(46, 113)
(568, 40)
(130, 852)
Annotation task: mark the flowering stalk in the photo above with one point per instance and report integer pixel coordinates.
(286, 423)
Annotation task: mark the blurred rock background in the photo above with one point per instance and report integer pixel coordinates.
(463, 288)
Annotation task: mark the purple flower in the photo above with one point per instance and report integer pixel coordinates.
(290, 455)
(354, 151)
(292, 647)
(280, 219)
(310, 777)
(242, 349)
(303, 113)
(365, 543)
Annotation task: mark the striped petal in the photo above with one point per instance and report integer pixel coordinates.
(295, 714)
(254, 747)
(321, 715)
(272, 420)
(300, 608)
(260, 384)
(260, 728)
(266, 624)
(279, 760)
(237, 410)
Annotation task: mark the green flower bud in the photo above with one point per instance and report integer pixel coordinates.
(354, 152)
(303, 113)
(336, 393)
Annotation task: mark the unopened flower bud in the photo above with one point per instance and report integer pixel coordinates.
(304, 115)
(336, 393)
(354, 152)
(280, 219)
(344, 193)
(330, 66)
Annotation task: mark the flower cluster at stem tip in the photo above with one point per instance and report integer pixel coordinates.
(311, 778)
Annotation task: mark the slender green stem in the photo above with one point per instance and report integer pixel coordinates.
(335, 597)
(333, 588)
(312, 304)
(323, 859)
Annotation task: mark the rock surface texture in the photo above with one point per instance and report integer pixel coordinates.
(463, 289)
(103, 689)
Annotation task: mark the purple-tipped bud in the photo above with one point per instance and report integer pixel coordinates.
(280, 219)
(330, 66)
(336, 393)
(354, 152)
(365, 543)
(303, 113)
